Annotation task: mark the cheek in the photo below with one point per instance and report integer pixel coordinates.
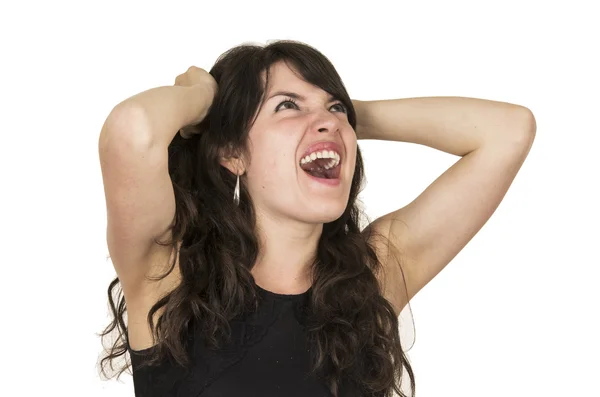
(351, 144)
(272, 168)
(276, 154)
(274, 150)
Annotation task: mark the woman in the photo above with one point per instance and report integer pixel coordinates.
(237, 244)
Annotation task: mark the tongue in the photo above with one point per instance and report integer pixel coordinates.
(316, 168)
(319, 173)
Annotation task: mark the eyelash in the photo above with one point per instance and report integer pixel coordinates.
(296, 104)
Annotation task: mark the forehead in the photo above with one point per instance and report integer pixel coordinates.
(282, 73)
(282, 77)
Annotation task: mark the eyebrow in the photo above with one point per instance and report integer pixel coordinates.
(330, 98)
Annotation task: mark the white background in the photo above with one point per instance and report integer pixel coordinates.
(515, 313)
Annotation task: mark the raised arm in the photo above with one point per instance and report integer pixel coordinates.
(139, 193)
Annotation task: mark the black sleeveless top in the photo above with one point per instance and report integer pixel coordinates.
(269, 356)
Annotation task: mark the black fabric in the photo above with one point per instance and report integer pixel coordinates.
(269, 356)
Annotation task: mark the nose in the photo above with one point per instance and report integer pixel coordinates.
(327, 122)
(324, 129)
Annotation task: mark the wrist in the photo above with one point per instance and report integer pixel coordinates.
(198, 98)
(361, 119)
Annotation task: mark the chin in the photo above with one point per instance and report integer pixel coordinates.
(325, 213)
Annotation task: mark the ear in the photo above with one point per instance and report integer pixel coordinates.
(232, 162)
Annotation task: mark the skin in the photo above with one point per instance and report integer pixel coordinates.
(292, 208)
(493, 139)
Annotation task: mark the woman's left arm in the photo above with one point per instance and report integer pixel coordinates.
(455, 125)
(492, 138)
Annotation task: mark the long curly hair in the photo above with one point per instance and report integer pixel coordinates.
(353, 328)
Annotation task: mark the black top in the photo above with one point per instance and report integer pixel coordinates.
(269, 356)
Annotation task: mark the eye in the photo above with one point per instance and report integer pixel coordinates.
(288, 100)
(340, 105)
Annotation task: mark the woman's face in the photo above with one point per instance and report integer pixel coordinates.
(283, 135)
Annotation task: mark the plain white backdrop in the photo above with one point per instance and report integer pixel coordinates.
(515, 313)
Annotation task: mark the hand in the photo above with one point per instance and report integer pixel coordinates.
(195, 76)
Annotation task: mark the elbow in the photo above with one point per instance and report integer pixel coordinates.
(528, 123)
(124, 126)
(522, 127)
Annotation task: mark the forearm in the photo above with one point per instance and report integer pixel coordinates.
(160, 112)
(455, 125)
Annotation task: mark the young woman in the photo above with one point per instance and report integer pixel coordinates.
(236, 241)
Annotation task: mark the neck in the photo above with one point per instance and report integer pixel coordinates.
(287, 250)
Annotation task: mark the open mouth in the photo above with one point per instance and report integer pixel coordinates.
(322, 164)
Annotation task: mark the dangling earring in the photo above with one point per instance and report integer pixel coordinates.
(236, 192)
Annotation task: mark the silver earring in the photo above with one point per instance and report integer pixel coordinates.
(236, 192)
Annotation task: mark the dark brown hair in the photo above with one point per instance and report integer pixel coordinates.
(354, 329)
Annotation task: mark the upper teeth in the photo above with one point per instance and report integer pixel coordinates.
(324, 154)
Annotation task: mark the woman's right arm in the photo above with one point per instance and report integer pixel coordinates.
(139, 193)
